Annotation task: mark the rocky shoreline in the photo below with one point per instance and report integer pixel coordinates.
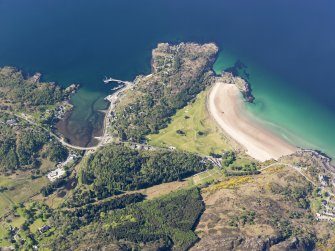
(243, 86)
(63, 111)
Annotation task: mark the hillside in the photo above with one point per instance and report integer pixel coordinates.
(271, 211)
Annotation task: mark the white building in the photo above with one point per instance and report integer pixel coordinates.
(55, 174)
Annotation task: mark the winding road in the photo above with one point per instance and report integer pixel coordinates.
(62, 141)
(104, 139)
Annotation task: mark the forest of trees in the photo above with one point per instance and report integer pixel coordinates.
(18, 90)
(180, 72)
(117, 168)
(228, 158)
(68, 220)
(162, 223)
(22, 145)
(26, 146)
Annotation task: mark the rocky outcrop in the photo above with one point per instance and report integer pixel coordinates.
(294, 244)
(243, 85)
(71, 89)
(246, 91)
(274, 243)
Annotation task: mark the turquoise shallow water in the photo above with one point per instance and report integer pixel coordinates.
(284, 109)
(288, 48)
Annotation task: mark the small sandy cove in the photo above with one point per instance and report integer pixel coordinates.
(225, 105)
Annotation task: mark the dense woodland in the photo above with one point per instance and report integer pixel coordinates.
(160, 224)
(116, 168)
(24, 146)
(68, 221)
(15, 89)
(179, 73)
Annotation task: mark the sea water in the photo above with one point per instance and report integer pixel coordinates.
(288, 48)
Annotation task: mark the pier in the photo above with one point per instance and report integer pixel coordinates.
(108, 80)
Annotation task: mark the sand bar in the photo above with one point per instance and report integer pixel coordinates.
(225, 105)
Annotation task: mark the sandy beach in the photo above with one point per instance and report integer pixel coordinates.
(225, 105)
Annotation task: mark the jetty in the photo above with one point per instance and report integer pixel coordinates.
(108, 80)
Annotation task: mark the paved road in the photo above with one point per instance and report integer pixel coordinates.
(103, 139)
(62, 141)
(113, 98)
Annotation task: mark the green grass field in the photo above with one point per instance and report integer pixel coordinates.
(201, 134)
(205, 177)
(19, 216)
(20, 188)
(36, 225)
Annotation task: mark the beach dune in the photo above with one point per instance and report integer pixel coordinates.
(225, 105)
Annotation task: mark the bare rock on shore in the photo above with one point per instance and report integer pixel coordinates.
(243, 85)
(72, 89)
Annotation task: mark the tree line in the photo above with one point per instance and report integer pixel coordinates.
(26, 146)
(116, 168)
(161, 224)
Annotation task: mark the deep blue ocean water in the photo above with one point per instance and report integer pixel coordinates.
(287, 46)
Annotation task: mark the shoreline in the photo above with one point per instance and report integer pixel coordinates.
(81, 136)
(98, 135)
(225, 105)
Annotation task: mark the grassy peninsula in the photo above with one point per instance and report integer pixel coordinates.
(179, 72)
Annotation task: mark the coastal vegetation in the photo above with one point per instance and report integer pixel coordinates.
(228, 158)
(27, 152)
(26, 97)
(201, 134)
(18, 92)
(179, 73)
(238, 165)
(24, 146)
